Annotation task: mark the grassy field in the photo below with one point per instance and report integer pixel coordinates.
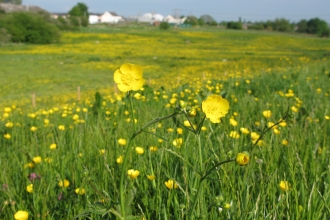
(67, 159)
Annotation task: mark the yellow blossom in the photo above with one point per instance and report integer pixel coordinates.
(7, 136)
(284, 185)
(61, 127)
(179, 130)
(9, 124)
(177, 142)
(244, 130)
(133, 173)
(234, 134)
(102, 151)
(170, 130)
(285, 142)
(80, 191)
(21, 215)
(294, 109)
(153, 148)
(120, 159)
(33, 128)
(267, 113)
(186, 123)
(121, 141)
(171, 184)
(233, 122)
(37, 159)
(64, 183)
(203, 128)
(139, 150)
(151, 177)
(129, 77)
(242, 158)
(53, 146)
(29, 188)
(215, 107)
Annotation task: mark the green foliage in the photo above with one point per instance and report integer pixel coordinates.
(79, 10)
(302, 26)
(234, 25)
(317, 26)
(30, 28)
(282, 25)
(164, 25)
(192, 20)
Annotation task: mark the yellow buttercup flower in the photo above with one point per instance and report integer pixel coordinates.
(267, 113)
(244, 130)
(29, 188)
(80, 191)
(21, 215)
(33, 128)
(242, 158)
(7, 136)
(129, 77)
(53, 146)
(37, 159)
(120, 159)
(64, 183)
(178, 142)
(151, 177)
(284, 185)
(171, 184)
(133, 173)
(153, 148)
(234, 134)
(121, 141)
(215, 107)
(139, 150)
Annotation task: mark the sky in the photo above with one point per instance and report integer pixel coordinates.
(220, 10)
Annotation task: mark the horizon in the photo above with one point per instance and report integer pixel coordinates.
(254, 10)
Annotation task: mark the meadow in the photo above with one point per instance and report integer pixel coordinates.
(152, 153)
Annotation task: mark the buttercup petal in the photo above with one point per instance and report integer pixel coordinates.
(117, 76)
(138, 84)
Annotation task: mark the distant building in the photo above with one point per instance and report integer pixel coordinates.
(110, 17)
(150, 18)
(174, 21)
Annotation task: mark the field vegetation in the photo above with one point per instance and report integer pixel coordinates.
(151, 153)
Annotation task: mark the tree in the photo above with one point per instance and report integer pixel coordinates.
(281, 24)
(317, 26)
(79, 10)
(302, 26)
(192, 20)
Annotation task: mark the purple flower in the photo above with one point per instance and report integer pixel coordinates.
(34, 176)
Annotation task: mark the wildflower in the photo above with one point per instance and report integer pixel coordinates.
(46, 121)
(244, 130)
(242, 158)
(34, 176)
(133, 173)
(294, 109)
(276, 131)
(151, 177)
(179, 130)
(284, 185)
(227, 205)
(139, 150)
(267, 113)
(48, 159)
(29, 188)
(285, 142)
(120, 159)
(21, 215)
(203, 128)
(177, 142)
(7, 109)
(153, 148)
(7, 136)
(129, 77)
(186, 123)
(33, 128)
(254, 136)
(233, 122)
(75, 117)
(170, 184)
(64, 183)
(53, 146)
(215, 107)
(80, 191)
(37, 159)
(61, 127)
(234, 134)
(121, 141)
(192, 113)
(102, 151)
(9, 124)
(29, 165)
(283, 124)
(170, 130)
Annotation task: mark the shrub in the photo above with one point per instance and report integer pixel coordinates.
(30, 28)
(234, 25)
(164, 25)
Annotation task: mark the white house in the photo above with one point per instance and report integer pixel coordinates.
(150, 18)
(94, 18)
(110, 17)
(172, 20)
